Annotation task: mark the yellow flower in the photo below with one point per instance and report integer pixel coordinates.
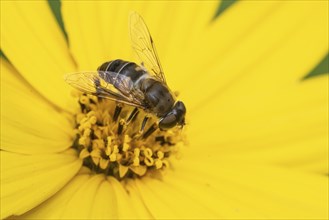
(257, 133)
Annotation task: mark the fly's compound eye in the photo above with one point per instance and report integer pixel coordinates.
(175, 117)
(180, 111)
(168, 122)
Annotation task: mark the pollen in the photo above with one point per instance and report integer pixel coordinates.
(122, 141)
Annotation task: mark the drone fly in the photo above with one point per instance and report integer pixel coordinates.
(143, 86)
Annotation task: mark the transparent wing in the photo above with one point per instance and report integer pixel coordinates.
(143, 45)
(109, 85)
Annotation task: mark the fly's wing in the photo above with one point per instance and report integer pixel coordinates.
(144, 47)
(109, 85)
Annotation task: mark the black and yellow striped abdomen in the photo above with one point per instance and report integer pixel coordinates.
(126, 68)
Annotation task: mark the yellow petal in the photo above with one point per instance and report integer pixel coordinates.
(28, 180)
(90, 197)
(271, 47)
(137, 202)
(35, 45)
(80, 204)
(165, 201)
(310, 155)
(30, 123)
(54, 207)
(157, 207)
(176, 32)
(104, 34)
(250, 120)
(77, 201)
(105, 204)
(227, 190)
(245, 190)
(125, 209)
(92, 27)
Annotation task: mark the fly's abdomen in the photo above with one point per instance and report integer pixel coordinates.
(126, 68)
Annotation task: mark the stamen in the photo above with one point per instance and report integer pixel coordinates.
(111, 139)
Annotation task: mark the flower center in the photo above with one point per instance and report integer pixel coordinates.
(120, 140)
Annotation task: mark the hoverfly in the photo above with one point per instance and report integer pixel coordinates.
(143, 86)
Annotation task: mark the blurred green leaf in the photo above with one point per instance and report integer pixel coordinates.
(321, 68)
(225, 4)
(3, 55)
(55, 6)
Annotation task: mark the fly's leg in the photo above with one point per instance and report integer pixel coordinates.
(132, 116)
(146, 118)
(149, 131)
(117, 112)
(121, 126)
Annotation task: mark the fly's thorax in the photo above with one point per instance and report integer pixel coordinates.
(157, 96)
